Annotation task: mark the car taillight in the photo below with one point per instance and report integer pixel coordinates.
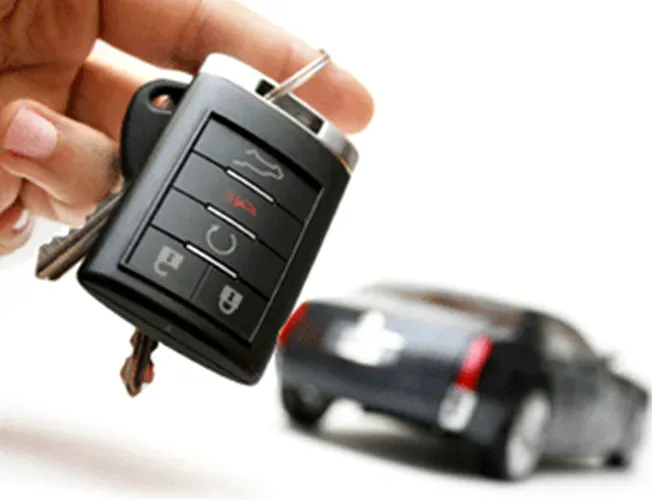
(291, 323)
(461, 399)
(473, 364)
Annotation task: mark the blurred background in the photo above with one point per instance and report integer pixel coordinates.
(509, 156)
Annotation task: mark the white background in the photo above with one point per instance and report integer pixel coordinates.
(509, 155)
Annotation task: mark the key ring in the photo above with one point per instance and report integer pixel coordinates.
(278, 95)
(299, 78)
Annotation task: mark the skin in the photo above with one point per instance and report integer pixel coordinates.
(45, 66)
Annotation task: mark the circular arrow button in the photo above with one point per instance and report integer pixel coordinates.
(227, 249)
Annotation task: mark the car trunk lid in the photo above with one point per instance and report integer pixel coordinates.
(410, 344)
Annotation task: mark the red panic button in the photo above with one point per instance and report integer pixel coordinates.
(224, 195)
(239, 202)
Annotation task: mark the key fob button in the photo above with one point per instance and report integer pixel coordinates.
(208, 183)
(190, 222)
(231, 303)
(230, 150)
(166, 262)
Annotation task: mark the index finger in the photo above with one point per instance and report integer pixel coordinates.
(179, 34)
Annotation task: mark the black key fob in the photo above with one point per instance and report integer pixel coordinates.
(229, 197)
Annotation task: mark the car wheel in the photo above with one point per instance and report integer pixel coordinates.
(517, 452)
(305, 405)
(633, 438)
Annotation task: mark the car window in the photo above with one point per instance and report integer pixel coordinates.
(503, 318)
(563, 342)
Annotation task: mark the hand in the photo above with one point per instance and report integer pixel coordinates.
(61, 109)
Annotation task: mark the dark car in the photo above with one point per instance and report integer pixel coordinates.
(518, 384)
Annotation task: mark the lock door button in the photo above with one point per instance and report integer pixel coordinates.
(230, 303)
(167, 263)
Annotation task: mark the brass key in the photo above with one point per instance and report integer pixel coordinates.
(138, 368)
(62, 253)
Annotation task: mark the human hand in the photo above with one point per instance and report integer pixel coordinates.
(61, 111)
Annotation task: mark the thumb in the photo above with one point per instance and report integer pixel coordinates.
(75, 165)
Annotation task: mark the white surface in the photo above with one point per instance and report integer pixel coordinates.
(510, 155)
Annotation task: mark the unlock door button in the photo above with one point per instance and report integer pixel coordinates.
(230, 302)
(168, 259)
(167, 263)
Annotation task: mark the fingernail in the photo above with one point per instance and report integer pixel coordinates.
(30, 135)
(22, 221)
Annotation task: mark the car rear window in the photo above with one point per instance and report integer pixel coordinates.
(503, 319)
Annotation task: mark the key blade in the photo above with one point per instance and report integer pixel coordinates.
(138, 368)
(62, 253)
(70, 255)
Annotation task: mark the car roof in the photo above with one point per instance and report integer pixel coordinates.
(414, 298)
(444, 296)
(501, 313)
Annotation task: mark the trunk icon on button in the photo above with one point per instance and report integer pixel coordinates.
(265, 169)
(230, 300)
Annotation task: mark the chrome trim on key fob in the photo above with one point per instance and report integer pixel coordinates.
(294, 108)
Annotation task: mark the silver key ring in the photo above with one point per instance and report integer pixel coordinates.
(299, 78)
(248, 78)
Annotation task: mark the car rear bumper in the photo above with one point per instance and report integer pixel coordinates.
(408, 394)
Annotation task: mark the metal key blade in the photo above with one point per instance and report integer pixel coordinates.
(62, 253)
(138, 368)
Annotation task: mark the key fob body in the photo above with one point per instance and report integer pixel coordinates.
(228, 200)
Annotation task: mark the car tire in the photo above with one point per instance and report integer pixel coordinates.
(305, 406)
(517, 451)
(624, 457)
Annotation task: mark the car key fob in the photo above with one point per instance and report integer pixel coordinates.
(228, 198)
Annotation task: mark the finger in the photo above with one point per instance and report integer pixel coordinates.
(38, 202)
(75, 164)
(16, 226)
(101, 95)
(9, 189)
(179, 34)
